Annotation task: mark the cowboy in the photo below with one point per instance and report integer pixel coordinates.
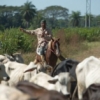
(44, 35)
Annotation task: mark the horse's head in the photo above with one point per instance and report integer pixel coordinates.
(54, 46)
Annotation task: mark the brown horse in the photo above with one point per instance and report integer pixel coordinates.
(52, 53)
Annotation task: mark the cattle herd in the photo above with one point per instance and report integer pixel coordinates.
(68, 80)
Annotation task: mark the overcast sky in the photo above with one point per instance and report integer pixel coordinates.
(72, 5)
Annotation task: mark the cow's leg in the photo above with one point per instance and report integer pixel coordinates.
(75, 90)
(81, 89)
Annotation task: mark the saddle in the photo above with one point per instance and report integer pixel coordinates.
(38, 50)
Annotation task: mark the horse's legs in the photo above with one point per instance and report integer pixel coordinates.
(43, 60)
(35, 61)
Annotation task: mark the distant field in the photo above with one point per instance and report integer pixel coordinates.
(93, 49)
(75, 43)
(74, 51)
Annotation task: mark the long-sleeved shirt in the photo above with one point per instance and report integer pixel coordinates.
(38, 32)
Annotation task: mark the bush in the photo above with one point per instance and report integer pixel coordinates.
(13, 40)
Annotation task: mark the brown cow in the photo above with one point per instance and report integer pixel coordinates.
(39, 92)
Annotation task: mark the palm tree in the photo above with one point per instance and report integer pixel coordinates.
(28, 11)
(75, 18)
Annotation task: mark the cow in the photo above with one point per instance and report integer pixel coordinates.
(14, 57)
(68, 65)
(65, 66)
(10, 66)
(87, 73)
(4, 59)
(10, 93)
(25, 73)
(92, 92)
(60, 83)
(18, 57)
(39, 92)
(40, 68)
(3, 75)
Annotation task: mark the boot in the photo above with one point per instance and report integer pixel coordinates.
(43, 60)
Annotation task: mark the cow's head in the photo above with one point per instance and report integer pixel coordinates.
(3, 75)
(39, 67)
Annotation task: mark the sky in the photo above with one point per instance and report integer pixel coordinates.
(72, 5)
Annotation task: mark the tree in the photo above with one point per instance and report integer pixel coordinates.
(37, 19)
(89, 20)
(54, 13)
(28, 11)
(75, 18)
(9, 16)
(97, 20)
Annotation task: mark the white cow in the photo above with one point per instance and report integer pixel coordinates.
(18, 57)
(40, 68)
(14, 57)
(10, 93)
(24, 73)
(60, 83)
(10, 67)
(87, 72)
(3, 59)
(3, 75)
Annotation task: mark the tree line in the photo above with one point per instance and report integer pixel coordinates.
(27, 16)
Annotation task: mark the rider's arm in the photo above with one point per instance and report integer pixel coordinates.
(31, 32)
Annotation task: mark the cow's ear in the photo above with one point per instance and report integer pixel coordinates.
(53, 81)
(29, 70)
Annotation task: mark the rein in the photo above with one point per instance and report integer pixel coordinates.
(52, 51)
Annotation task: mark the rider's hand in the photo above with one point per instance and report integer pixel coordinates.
(42, 35)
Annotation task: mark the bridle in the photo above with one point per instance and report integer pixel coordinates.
(52, 50)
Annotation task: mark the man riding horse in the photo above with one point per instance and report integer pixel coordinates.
(44, 35)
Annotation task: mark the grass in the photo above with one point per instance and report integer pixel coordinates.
(77, 51)
(72, 46)
(92, 50)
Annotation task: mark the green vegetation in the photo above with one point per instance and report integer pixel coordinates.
(57, 17)
(74, 38)
(13, 40)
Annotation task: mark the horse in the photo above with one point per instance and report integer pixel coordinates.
(52, 52)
